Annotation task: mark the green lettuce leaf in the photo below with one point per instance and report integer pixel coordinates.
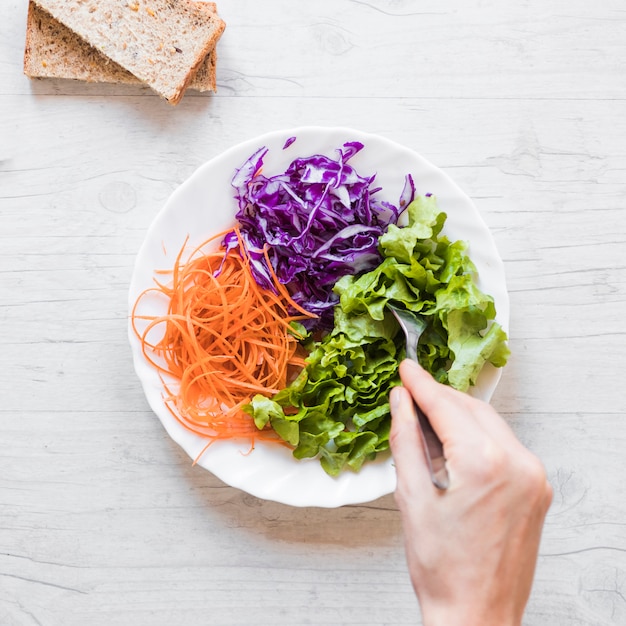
(337, 408)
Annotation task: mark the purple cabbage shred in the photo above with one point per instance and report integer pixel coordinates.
(321, 221)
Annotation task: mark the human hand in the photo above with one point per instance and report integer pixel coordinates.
(472, 549)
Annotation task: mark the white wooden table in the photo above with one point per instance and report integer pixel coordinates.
(103, 519)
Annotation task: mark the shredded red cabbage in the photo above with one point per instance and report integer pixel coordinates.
(321, 221)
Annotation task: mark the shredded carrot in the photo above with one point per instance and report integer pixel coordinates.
(223, 339)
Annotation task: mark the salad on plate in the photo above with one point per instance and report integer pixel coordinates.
(258, 308)
(276, 329)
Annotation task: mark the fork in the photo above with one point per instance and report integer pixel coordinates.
(413, 326)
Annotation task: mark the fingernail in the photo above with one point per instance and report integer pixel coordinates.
(414, 365)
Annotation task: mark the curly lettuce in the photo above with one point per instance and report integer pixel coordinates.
(337, 409)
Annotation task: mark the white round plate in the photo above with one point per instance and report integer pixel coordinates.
(205, 205)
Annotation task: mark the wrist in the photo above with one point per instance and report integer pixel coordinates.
(466, 616)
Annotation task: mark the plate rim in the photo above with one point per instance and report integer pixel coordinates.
(341, 497)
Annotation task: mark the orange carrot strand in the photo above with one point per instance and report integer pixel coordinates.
(223, 339)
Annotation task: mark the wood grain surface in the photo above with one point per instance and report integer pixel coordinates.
(103, 519)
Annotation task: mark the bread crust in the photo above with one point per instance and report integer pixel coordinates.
(54, 51)
(161, 42)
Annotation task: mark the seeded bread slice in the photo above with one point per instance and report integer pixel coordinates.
(162, 42)
(54, 51)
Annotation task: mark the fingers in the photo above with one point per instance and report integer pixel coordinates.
(406, 445)
(478, 444)
(448, 410)
(454, 415)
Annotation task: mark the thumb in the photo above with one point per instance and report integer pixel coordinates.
(406, 445)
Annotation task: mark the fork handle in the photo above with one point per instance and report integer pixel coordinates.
(433, 449)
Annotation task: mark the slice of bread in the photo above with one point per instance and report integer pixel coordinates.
(54, 51)
(162, 42)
